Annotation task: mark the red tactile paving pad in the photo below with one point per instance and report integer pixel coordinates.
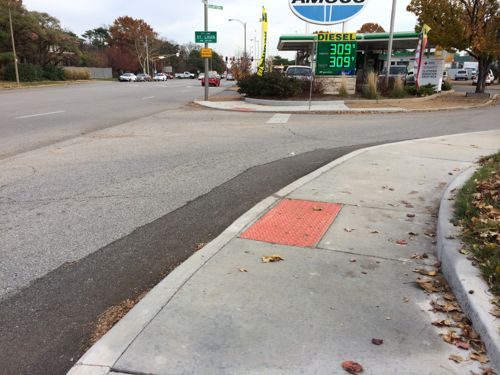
(294, 223)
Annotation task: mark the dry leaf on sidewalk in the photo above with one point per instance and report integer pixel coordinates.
(352, 367)
(349, 230)
(318, 209)
(373, 231)
(481, 358)
(495, 312)
(424, 272)
(402, 242)
(272, 259)
(377, 341)
(200, 246)
(456, 358)
(462, 345)
(427, 285)
(243, 270)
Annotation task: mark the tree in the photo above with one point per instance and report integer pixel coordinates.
(464, 25)
(278, 60)
(370, 28)
(97, 37)
(40, 39)
(135, 35)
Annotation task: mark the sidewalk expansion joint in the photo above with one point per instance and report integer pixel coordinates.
(398, 260)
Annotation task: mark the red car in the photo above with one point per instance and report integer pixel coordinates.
(213, 80)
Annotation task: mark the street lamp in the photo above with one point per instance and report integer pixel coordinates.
(245, 34)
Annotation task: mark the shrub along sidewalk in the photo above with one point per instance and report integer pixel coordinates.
(478, 212)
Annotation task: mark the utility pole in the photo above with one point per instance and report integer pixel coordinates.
(147, 56)
(391, 39)
(205, 3)
(13, 47)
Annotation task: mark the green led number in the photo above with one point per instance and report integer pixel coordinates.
(333, 50)
(348, 49)
(347, 61)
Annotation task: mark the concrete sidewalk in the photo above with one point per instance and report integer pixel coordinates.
(349, 233)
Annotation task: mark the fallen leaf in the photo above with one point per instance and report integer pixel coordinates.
(388, 318)
(427, 285)
(413, 234)
(353, 260)
(352, 367)
(377, 341)
(402, 242)
(243, 270)
(456, 358)
(425, 273)
(450, 337)
(318, 209)
(349, 230)
(430, 234)
(481, 358)
(373, 231)
(406, 300)
(462, 345)
(272, 259)
(488, 371)
(410, 215)
(200, 246)
(443, 323)
(495, 312)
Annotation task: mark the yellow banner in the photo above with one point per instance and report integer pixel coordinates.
(262, 62)
(336, 37)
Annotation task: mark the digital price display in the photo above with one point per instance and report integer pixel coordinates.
(336, 58)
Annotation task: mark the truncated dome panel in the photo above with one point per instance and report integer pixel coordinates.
(294, 223)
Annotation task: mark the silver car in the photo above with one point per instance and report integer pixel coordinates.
(302, 73)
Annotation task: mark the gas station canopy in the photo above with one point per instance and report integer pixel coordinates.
(366, 42)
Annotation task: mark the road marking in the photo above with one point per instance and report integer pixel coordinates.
(40, 114)
(148, 97)
(279, 118)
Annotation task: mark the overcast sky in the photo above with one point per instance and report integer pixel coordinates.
(177, 20)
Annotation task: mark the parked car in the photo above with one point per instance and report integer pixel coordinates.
(201, 76)
(213, 80)
(396, 71)
(169, 75)
(143, 77)
(128, 77)
(160, 77)
(229, 77)
(185, 75)
(410, 78)
(302, 73)
(489, 78)
(461, 75)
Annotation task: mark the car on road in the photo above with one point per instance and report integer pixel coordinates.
(185, 75)
(201, 76)
(143, 77)
(160, 77)
(213, 80)
(300, 72)
(490, 77)
(461, 75)
(128, 77)
(229, 77)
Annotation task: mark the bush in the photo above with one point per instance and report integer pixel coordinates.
(447, 86)
(370, 89)
(76, 74)
(398, 90)
(273, 85)
(53, 73)
(426, 90)
(27, 73)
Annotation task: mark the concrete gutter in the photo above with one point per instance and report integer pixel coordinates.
(463, 276)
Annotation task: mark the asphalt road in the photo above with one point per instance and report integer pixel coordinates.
(31, 118)
(98, 218)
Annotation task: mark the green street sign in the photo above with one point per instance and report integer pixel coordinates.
(205, 36)
(218, 7)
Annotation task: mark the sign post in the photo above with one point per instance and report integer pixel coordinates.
(205, 3)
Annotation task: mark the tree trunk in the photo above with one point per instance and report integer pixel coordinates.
(484, 67)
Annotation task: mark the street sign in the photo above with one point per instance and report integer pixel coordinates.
(326, 12)
(205, 36)
(218, 7)
(336, 54)
(206, 53)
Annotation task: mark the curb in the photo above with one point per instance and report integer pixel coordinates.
(463, 276)
(102, 356)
